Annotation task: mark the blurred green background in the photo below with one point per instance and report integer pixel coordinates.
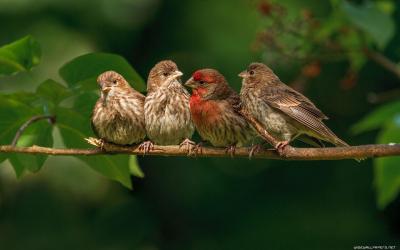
(215, 203)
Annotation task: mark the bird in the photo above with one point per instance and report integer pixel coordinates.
(214, 108)
(166, 108)
(118, 115)
(283, 112)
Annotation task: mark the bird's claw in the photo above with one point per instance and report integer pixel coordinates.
(98, 142)
(197, 148)
(101, 144)
(188, 144)
(230, 150)
(146, 147)
(280, 147)
(255, 149)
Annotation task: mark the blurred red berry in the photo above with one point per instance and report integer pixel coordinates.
(265, 7)
(312, 69)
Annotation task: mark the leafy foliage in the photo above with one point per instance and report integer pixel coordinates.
(348, 33)
(83, 70)
(39, 133)
(387, 174)
(377, 24)
(71, 105)
(344, 35)
(14, 111)
(20, 55)
(387, 171)
(377, 118)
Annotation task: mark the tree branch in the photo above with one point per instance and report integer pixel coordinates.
(334, 153)
(29, 122)
(383, 61)
(257, 126)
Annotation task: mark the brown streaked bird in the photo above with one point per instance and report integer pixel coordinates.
(166, 108)
(284, 112)
(213, 106)
(118, 115)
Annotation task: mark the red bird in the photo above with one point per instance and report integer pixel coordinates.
(213, 106)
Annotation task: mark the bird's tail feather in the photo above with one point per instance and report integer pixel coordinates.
(340, 143)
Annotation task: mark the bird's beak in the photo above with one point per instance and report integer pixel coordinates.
(177, 74)
(244, 74)
(105, 90)
(190, 83)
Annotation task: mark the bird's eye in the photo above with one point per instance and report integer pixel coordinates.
(251, 72)
(165, 74)
(115, 81)
(201, 82)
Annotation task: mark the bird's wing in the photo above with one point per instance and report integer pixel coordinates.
(286, 96)
(311, 141)
(298, 107)
(91, 120)
(234, 101)
(94, 129)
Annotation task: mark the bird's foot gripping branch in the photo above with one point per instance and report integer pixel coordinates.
(290, 153)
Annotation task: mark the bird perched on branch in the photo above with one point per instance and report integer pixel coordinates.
(214, 108)
(118, 115)
(166, 108)
(283, 112)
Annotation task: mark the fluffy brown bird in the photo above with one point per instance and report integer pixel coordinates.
(166, 107)
(213, 106)
(284, 112)
(118, 115)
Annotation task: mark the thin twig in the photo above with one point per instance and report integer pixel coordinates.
(257, 126)
(333, 153)
(383, 61)
(384, 96)
(29, 122)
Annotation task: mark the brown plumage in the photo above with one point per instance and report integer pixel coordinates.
(213, 106)
(118, 115)
(284, 112)
(166, 108)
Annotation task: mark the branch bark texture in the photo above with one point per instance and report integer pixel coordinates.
(332, 153)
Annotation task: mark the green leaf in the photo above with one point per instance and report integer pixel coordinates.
(15, 110)
(377, 118)
(352, 41)
(378, 25)
(386, 6)
(52, 92)
(84, 70)
(84, 104)
(134, 167)
(74, 127)
(387, 170)
(20, 55)
(39, 133)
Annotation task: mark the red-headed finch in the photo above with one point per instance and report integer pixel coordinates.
(118, 115)
(283, 112)
(166, 107)
(213, 106)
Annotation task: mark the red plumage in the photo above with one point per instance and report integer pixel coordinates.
(213, 106)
